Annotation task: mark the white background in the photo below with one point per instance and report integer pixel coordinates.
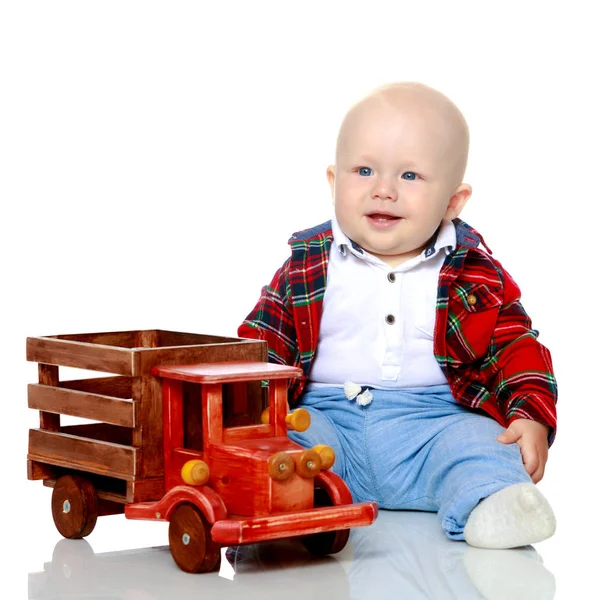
(156, 156)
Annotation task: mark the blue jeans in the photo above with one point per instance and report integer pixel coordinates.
(413, 449)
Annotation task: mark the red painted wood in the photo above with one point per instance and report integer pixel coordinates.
(172, 428)
(239, 474)
(227, 372)
(278, 407)
(203, 497)
(316, 520)
(335, 487)
(212, 414)
(249, 432)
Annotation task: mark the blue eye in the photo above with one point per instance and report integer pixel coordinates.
(409, 176)
(365, 171)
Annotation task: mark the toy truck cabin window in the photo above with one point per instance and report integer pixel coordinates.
(212, 405)
(243, 403)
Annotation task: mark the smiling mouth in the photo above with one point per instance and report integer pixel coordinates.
(383, 217)
(383, 221)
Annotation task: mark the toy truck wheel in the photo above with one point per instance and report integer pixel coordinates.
(74, 506)
(327, 542)
(191, 544)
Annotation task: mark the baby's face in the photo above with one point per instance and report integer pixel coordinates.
(394, 178)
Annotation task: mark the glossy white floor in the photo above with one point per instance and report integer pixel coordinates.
(138, 137)
(402, 555)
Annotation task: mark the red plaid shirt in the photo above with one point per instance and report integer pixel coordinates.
(483, 340)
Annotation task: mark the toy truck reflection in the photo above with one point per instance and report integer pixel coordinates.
(230, 485)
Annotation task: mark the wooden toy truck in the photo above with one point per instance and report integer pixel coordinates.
(183, 431)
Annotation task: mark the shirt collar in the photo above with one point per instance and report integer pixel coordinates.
(343, 242)
(443, 239)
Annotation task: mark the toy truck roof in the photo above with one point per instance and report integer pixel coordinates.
(227, 372)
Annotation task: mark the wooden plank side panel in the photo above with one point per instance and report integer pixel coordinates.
(177, 338)
(246, 350)
(80, 404)
(80, 355)
(121, 339)
(65, 450)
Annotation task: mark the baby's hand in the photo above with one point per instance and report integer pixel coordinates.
(532, 438)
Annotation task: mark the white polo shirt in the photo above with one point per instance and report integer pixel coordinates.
(377, 323)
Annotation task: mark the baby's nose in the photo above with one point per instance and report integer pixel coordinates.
(385, 190)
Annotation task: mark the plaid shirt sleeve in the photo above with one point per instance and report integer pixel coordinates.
(271, 319)
(524, 381)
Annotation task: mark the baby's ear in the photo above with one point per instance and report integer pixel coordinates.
(331, 177)
(457, 201)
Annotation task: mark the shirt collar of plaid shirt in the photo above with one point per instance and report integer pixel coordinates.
(443, 239)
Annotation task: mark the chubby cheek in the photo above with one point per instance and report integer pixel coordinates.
(347, 203)
(423, 211)
(343, 214)
(351, 192)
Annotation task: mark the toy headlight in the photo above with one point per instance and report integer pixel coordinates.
(281, 466)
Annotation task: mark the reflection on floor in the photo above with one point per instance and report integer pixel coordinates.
(402, 555)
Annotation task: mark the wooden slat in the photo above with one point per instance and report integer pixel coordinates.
(81, 355)
(65, 450)
(121, 339)
(247, 350)
(48, 375)
(81, 404)
(136, 361)
(177, 338)
(146, 338)
(117, 386)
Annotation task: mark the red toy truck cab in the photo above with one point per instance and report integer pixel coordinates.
(175, 430)
(246, 483)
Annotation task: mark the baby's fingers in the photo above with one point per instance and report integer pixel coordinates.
(537, 475)
(533, 465)
(509, 436)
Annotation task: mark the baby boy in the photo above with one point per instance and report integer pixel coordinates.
(421, 369)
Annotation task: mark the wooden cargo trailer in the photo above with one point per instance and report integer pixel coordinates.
(121, 452)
